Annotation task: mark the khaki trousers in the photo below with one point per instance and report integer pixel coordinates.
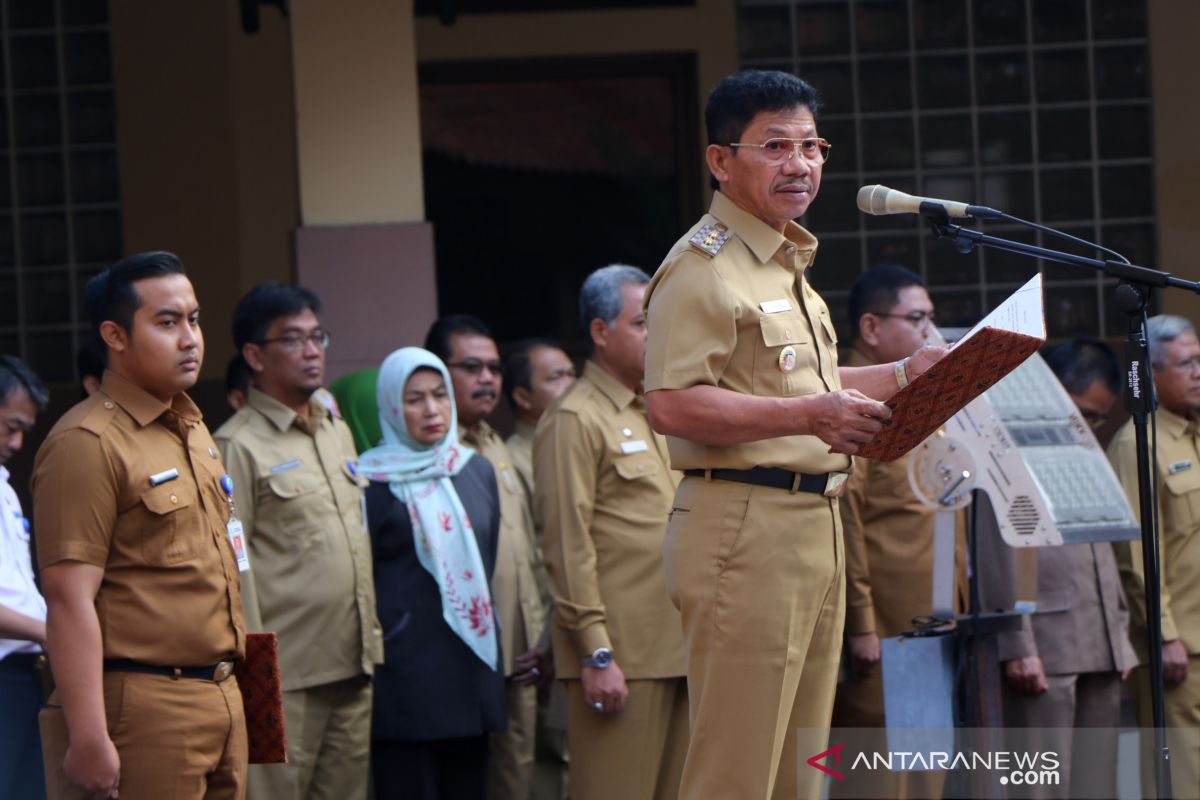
(1182, 706)
(177, 739)
(638, 753)
(550, 753)
(329, 745)
(758, 575)
(510, 752)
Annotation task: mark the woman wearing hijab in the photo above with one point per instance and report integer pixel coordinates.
(434, 516)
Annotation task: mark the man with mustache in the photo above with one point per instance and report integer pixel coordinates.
(308, 570)
(140, 578)
(466, 345)
(742, 378)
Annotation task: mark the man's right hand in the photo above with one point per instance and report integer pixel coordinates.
(606, 687)
(864, 653)
(1026, 675)
(94, 766)
(1175, 662)
(846, 419)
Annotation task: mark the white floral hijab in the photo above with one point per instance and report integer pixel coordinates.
(419, 476)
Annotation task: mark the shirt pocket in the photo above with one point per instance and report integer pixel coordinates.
(632, 468)
(286, 500)
(785, 341)
(172, 526)
(1181, 501)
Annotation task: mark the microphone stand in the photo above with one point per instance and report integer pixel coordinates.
(1132, 296)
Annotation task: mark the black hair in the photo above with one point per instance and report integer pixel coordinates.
(266, 303)
(92, 357)
(737, 98)
(518, 369)
(111, 294)
(237, 375)
(877, 290)
(437, 341)
(13, 375)
(1081, 362)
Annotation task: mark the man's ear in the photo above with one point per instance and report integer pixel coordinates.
(868, 329)
(521, 398)
(114, 336)
(599, 331)
(253, 355)
(717, 158)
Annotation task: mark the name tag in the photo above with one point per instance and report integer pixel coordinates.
(636, 446)
(285, 466)
(775, 306)
(159, 478)
(1180, 466)
(237, 540)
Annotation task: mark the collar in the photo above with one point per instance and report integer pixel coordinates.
(143, 406)
(280, 415)
(4, 474)
(1176, 426)
(763, 240)
(523, 430)
(857, 358)
(618, 393)
(476, 436)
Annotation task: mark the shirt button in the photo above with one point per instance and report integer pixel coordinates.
(108, 404)
(174, 499)
(787, 332)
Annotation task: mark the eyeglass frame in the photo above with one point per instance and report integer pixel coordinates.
(823, 147)
(1184, 364)
(914, 318)
(475, 366)
(295, 342)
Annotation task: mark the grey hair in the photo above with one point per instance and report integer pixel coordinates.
(1162, 329)
(600, 295)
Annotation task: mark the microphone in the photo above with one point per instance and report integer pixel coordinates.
(882, 200)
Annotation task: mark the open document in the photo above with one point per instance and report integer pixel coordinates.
(989, 351)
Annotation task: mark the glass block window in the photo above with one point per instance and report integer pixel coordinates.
(1040, 108)
(60, 212)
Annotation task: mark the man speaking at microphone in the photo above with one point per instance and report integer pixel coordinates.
(742, 377)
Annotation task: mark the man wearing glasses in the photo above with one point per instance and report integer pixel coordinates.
(1175, 357)
(742, 378)
(466, 345)
(309, 574)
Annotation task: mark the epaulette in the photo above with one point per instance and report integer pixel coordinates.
(232, 425)
(576, 398)
(710, 238)
(98, 417)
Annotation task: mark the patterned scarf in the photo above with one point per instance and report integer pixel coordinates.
(419, 476)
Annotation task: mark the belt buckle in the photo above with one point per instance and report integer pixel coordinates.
(222, 671)
(835, 486)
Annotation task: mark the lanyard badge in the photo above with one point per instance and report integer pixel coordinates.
(237, 537)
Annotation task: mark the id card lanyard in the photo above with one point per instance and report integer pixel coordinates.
(237, 537)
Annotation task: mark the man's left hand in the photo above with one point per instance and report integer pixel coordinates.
(925, 358)
(534, 667)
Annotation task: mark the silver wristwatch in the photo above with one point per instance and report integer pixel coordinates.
(600, 659)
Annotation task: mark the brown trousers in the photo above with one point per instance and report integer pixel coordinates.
(758, 575)
(177, 739)
(636, 753)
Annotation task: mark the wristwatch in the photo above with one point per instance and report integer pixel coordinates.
(600, 659)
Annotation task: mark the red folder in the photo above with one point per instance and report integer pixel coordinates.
(262, 695)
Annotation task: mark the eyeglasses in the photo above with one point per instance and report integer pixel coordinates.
(914, 318)
(294, 342)
(1183, 365)
(777, 151)
(473, 366)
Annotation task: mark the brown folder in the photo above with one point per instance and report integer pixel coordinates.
(262, 696)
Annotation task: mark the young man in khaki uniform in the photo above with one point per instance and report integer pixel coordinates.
(310, 578)
(888, 532)
(603, 492)
(466, 346)
(1175, 356)
(742, 377)
(141, 582)
(536, 373)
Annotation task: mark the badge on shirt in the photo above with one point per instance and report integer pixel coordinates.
(775, 306)
(285, 466)
(1179, 466)
(787, 359)
(237, 540)
(636, 446)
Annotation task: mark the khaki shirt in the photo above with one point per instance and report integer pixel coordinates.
(300, 501)
(1179, 530)
(731, 320)
(514, 582)
(520, 447)
(604, 490)
(170, 593)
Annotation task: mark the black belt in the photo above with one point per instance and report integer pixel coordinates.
(19, 663)
(214, 672)
(773, 477)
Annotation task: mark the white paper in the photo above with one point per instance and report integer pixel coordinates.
(1021, 312)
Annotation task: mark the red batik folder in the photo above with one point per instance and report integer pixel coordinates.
(988, 352)
(262, 696)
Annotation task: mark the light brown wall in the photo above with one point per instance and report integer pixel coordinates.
(1173, 27)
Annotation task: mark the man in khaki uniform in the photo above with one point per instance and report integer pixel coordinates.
(1175, 356)
(536, 373)
(741, 375)
(310, 579)
(888, 532)
(603, 492)
(466, 346)
(141, 582)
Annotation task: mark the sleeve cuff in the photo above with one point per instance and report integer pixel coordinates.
(592, 638)
(860, 620)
